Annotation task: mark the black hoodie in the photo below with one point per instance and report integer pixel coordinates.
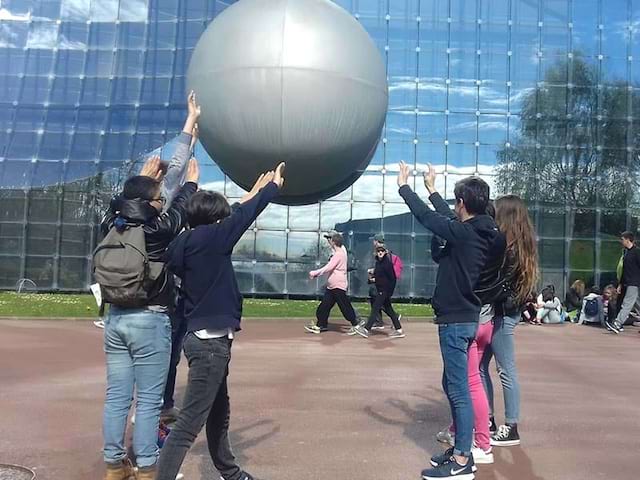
(491, 281)
(468, 244)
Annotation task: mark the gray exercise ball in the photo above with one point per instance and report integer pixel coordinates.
(298, 81)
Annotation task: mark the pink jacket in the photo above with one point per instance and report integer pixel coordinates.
(337, 270)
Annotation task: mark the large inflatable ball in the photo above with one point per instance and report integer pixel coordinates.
(298, 81)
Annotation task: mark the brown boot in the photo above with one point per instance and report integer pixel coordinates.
(148, 473)
(120, 471)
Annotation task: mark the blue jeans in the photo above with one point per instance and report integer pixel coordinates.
(503, 347)
(455, 340)
(137, 343)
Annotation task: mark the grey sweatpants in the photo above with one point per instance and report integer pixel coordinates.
(630, 300)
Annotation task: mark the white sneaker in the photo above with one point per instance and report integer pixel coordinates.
(99, 324)
(397, 334)
(482, 456)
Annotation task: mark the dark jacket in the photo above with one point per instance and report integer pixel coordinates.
(491, 280)
(385, 277)
(159, 231)
(631, 267)
(573, 300)
(506, 303)
(201, 257)
(468, 244)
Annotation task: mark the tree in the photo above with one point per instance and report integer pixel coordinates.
(571, 148)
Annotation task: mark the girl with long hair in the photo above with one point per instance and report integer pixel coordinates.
(520, 270)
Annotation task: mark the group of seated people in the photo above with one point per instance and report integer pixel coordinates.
(593, 307)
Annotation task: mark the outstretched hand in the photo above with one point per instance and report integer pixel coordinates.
(193, 114)
(278, 177)
(262, 181)
(152, 168)
(430, 179)
(403, 175)
(193, 107)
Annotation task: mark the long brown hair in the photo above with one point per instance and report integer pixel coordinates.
(513, 220)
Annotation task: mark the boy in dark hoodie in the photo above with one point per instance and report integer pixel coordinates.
(201, 257)
(457, 307)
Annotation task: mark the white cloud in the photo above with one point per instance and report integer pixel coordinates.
(43, 35)
(105, 10)
(5, 14)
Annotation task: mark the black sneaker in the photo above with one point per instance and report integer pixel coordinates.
(451, 469)
(506, 436)
(611, 326)
(444, 457)
(492, 425)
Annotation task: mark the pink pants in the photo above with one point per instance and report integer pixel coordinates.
(476, 387)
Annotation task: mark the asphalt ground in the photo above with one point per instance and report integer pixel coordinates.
(330, 406)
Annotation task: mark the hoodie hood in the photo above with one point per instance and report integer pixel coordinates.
(485, 226)
(136, 210)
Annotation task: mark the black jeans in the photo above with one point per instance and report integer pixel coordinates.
(206, 401)
(178, 331)
(330, 298)
(382, 302)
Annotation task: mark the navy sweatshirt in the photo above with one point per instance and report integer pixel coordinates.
(201, 257)
(468, 243)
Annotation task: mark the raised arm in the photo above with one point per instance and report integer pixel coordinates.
(177, 170)
(175, 218)
(437, 201)
(442, 225)
(234, 226)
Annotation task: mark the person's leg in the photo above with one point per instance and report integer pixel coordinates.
(178, 331)
(553, 317)
(485, 362)
(476, 387)
(149, 339)
(344, 304)
(388, 309)
(373, 294)
(208, 364)
(218, 435)
(324, 309)
(503, 346)
(630, 298)
(120, 381)
(375, 310)
(455, 340)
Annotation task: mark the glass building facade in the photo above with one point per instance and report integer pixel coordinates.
(539, 97)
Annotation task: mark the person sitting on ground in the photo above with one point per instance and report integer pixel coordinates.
(385, 282)
(549, 307)
(201, 258)
(573, 300)
(337, 285)
(610, 303)
(592, 310)
(530, 309)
